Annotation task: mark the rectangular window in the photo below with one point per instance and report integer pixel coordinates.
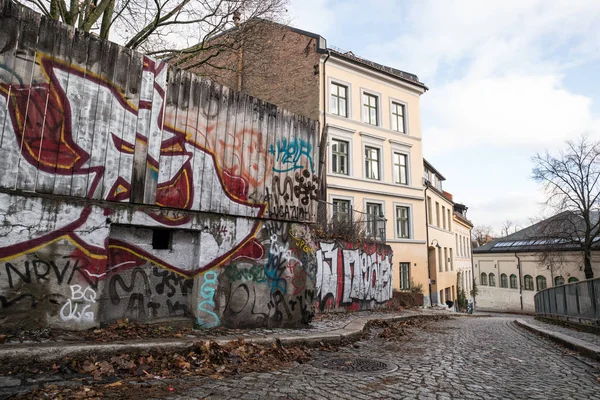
(449, 220)
(445, 259)
(440, 261)
(370, 109)
(429, 216)
(451, 260)
(374, 216)
(400, 171)
(339, 157)
(338, 99)
(444, 217)
(402, 222)
(372, 163)
(437, 214)
(398, 117)
(404, 276)
(341, 210)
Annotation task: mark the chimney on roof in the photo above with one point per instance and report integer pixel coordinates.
(236, 18)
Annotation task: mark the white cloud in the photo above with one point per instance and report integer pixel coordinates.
(516, 110)
(312, 15)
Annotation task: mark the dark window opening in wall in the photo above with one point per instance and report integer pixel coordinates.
(161, 239)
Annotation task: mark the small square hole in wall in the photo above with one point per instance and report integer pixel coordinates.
(161, 239)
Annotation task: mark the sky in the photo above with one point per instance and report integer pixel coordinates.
(507, 79)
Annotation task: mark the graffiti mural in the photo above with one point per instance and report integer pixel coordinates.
(353, 277)
(131, 188)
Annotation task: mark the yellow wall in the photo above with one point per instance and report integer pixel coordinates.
(355, 186)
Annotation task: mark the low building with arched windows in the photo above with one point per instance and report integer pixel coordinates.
(509, 271)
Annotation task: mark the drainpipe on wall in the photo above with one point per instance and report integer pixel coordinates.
(427, 239)
(323, 143)
(520, 279)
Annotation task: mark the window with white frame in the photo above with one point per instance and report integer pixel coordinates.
(372, 163)
(339, 156)
(404, 276)
(374, 218)
(400, 170)
(338, 99)
(370, 108)
(403, 222)
(341, 210)
(398, 117)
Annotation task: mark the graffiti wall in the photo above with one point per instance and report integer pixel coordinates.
(352, 276)
(130, 188)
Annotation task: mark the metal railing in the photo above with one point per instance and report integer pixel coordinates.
(577, 301)
(345, 222)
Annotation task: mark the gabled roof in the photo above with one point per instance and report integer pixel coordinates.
(550, 234)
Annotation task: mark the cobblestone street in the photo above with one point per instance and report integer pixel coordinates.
(462, 358)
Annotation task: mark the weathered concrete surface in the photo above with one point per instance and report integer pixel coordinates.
(568, 340)
(12, 354)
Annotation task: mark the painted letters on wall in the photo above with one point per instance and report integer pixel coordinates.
(101, 149)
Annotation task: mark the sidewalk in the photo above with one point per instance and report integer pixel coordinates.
(326, 329)
(585, 343)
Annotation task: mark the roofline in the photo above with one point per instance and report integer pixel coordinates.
(431, 167)
(321, 41)
(335, 53)
(463, 219)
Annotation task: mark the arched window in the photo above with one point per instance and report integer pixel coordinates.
(513, 281)
(540, 282)
(528, 282)
(503, 281)
(483, 279)
(573, 279)
(559, 280)
(492, 279)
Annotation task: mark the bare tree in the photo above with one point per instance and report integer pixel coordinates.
(508, 228)
(571, 182)
(164, 28)
(481, 235)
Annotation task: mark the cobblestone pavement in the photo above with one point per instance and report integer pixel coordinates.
(460, 358)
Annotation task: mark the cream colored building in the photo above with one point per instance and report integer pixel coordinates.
(440, 238)
(462, 254)
(509, 271)
(375, 160)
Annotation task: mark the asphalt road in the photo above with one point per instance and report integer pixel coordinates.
(460, 358)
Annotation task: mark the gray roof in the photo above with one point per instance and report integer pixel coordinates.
(555, 233)
(396, 73)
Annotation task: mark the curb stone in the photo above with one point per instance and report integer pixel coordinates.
(45, 353)
(585, 348)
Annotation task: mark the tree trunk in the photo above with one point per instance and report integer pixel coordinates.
(587, 257)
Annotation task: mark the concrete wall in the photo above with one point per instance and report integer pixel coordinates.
(353, 277)
(130, 188)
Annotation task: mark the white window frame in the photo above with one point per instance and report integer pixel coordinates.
(370, 141)
(374, 201)
(364, 91)
(407, 283)
(398, 148)
(333, 197)
(410, 221)
(405, 105)
(348, 97)
(348, 156)
(346, 136)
